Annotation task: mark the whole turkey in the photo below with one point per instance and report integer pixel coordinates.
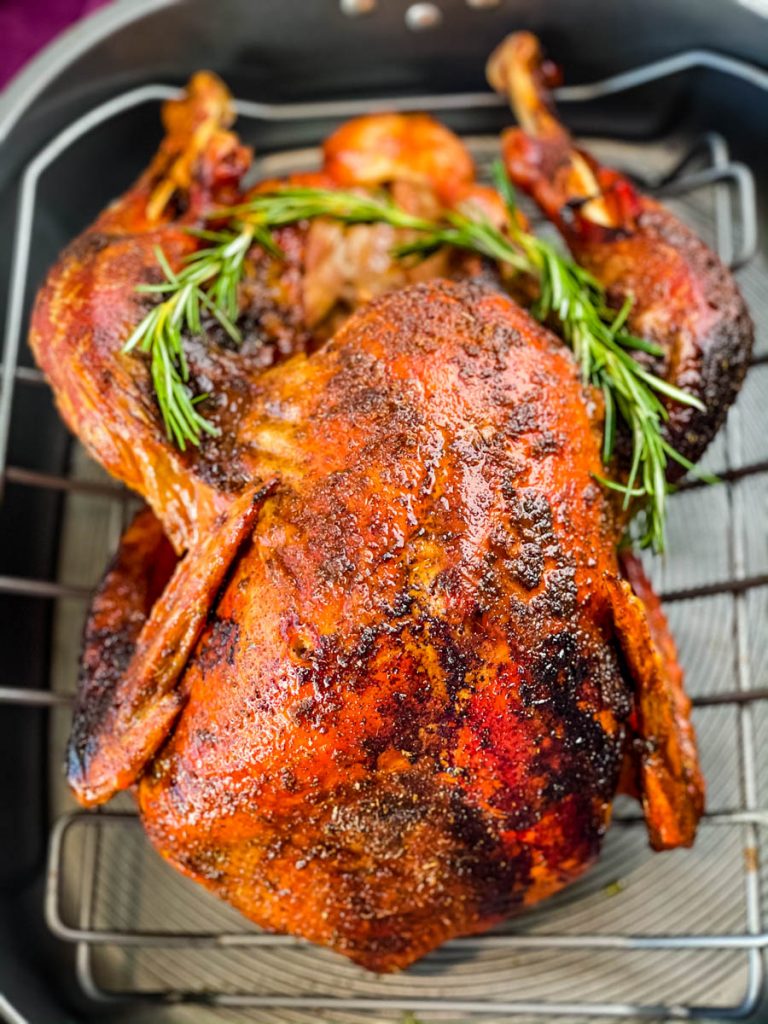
(372, 663)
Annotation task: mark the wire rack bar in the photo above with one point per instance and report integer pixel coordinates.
(658, 1011)
(52, 482)
(41, 588)
(737, 585)
(25, 215)
(489, 940)
(22, 697)
(27, 375)
(741, 177)
(708, 700)
(746, 721)
(725, 476)
(688, 61)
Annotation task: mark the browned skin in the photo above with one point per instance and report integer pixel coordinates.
(407, 714)
(685, 300)
(88, 306)
(406, 711)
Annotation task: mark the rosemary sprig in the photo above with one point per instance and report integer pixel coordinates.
(567, 294)
(209, 279)
(601, 344)
(293, 203)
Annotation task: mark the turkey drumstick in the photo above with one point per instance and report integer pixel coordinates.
(683, 298)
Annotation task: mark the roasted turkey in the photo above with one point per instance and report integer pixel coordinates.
(371, 663)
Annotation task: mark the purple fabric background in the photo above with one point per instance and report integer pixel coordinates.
(27, 25)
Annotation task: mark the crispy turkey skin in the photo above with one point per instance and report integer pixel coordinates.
(371, 665)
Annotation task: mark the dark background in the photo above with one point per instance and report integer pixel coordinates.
(27, 25)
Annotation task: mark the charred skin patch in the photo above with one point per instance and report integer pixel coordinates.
(568, 689)
(99, 677)
(220, 644)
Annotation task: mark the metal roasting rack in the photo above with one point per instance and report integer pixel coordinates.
(123, 953)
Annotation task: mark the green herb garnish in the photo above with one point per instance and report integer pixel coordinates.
(568, 296)
(209, 279)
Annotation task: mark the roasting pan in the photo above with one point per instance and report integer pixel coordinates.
(93, 926)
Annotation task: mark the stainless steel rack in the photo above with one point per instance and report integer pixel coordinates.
(141, 932)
